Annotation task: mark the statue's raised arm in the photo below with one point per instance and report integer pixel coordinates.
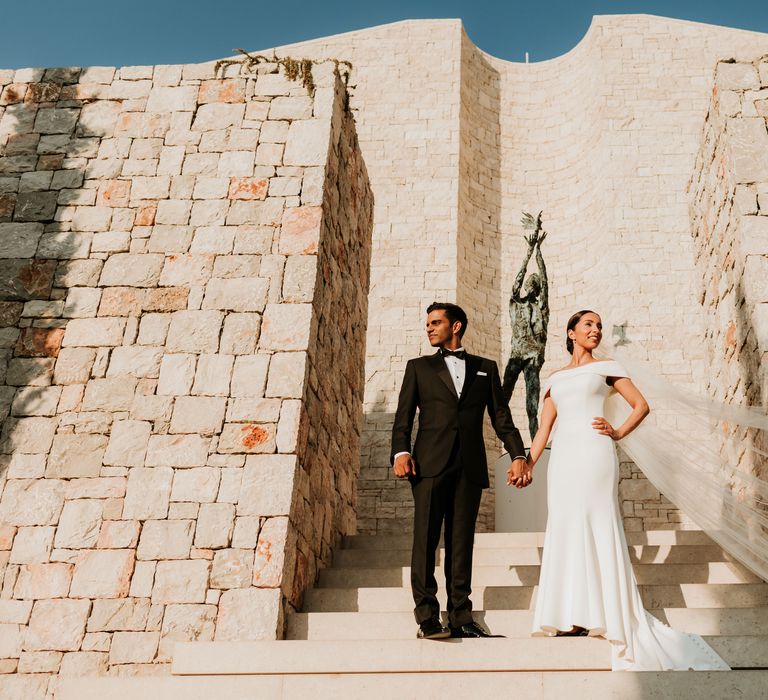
(544, 295)
(528, 223)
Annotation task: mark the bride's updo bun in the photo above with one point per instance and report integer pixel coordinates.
(572, 321)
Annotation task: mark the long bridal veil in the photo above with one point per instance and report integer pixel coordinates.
(708, 457)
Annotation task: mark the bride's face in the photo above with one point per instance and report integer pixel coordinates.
(588, 332)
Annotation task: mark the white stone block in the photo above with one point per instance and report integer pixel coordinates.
(287, 373)
(249, 614)
(103, 573)
(194, 331)
(286, 327)
(173, 211)
(307, 142)
(232, 568)
(240, 334)
(94, 332)
(128, 443)
(111, 615)
(21, 466)
(153, 329)
(176, 374)
(289, 426)
(186, 623)
(166, 539)
(73, 365)
(240, 294)
(172, 99)
(57, 625)
(215, 523)
(186, 270)
(198, 414)
(177, 451)
(148, 493)
(210, 117)
(249, 376)
(214, 239)
(273, 553)
(213, 375)
(32, 502)
(82, 302)
(76, 456)
(79, 524)
(196, 485)
(42, 581)
(181, 581)
(127, 270)
(32, 545)
(113, 394)
(268, 485)
(135, 360)
(36, 401)
(133, 647)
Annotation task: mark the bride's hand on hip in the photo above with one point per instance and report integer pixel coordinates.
(605, 428)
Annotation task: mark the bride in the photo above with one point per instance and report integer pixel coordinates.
(587, 586)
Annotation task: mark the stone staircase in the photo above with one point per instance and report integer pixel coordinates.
(356, 637)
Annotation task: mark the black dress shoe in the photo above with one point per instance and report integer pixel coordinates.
(471, 630)
(432, 629)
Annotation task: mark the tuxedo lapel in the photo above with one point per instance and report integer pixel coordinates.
(438, 364)
(470, 373)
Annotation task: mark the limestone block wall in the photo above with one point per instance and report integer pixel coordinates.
(183, 282)
(604, 139)
(729, 220)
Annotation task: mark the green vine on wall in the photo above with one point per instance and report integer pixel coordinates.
(294, 68)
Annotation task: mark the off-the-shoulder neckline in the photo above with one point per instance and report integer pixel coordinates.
(586, 364)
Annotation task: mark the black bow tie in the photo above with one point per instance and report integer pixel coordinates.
(458, 354)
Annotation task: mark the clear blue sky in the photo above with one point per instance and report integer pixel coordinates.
(112, 32)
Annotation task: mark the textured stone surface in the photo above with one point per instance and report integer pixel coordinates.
(248, 613)
(103, 574)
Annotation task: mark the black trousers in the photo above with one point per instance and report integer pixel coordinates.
(449, 499)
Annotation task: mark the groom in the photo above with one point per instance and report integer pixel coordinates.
(447, 466)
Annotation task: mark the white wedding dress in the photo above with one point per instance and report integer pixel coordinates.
(586, 573)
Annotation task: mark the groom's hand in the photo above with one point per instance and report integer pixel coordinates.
(404, 466)
(518, 474)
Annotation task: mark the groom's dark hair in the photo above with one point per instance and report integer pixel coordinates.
(453, 313)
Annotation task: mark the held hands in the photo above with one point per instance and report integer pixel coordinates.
(520, 473)
(605, 428)
(404, 466)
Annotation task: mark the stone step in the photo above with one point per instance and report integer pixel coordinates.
(679, 685)
(684, 595)
(419, 656)
(514, 623)
(639, 554)
(499, 540)
(511, 575)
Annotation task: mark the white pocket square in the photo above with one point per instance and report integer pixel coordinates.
(482, 374)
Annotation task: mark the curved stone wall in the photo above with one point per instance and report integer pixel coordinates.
(603, 139)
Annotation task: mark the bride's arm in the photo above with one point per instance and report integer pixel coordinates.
(639, 406)
(539, 442)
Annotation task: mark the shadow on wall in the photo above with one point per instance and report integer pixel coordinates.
(42, 161)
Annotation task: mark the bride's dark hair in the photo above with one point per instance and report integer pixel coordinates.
(572, 321)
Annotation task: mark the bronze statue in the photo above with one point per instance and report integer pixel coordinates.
(529, 314)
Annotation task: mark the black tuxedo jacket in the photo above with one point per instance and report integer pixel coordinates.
(427, 385)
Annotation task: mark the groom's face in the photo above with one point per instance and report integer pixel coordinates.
(439, 329)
